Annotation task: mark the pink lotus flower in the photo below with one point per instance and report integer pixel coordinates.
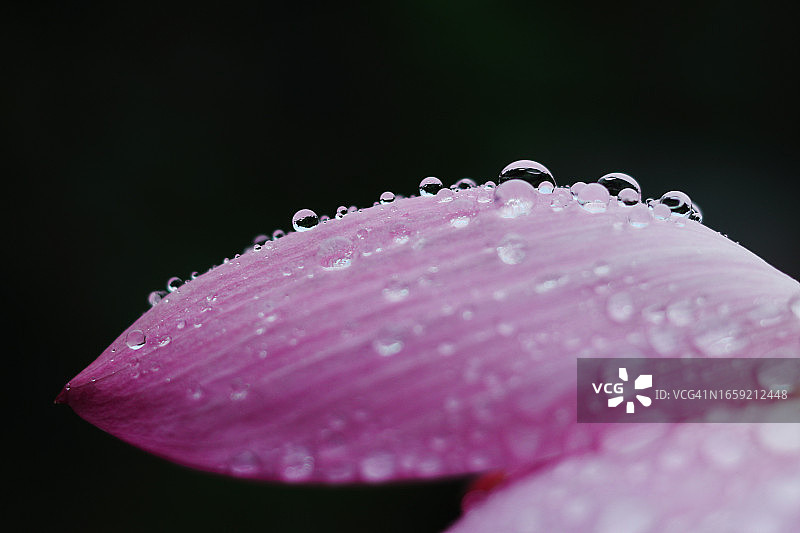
(437, 336)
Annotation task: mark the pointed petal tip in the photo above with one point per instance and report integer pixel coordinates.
(62, 396)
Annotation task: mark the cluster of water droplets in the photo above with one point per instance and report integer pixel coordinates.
(520, 187)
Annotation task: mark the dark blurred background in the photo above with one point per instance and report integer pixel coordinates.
(147, 142)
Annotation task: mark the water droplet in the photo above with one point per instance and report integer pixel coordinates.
(515, 198)
(298, 464)
(335, 253)
(660, 211)
(620, 307)
(174, 283)
(163, 341)
(594, 198)
(444, 195)
(639, 216)
(135, 339)
(464, 183)
(277, 234)
(511, 250)
(324, 218)
(718, 338)
(616, 182)
(155, 297)
(794, 306)
(304, 220)
(779, 374)
(562, 199)
(430, 186)
(387, 197)
(341, 211)
(244, 464)
(576, 187)
(395, 291)
(387, 345)
(629, 197)
(260, 239)
(531, 171)
(678, 202)
(378, 466)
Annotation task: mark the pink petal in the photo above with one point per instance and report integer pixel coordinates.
(659, 478)
(427, 337)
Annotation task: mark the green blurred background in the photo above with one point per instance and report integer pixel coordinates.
(147, 142)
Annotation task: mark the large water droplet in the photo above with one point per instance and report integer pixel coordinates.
(387, 197)
(515, 198)
(463, 183)
(511, 250)
(341, 211)
(430, 186)
(335, 253)
(174, 283)
(135, 339)
(155, 297)
(678, 202)
(304, 220)
(527, 170)
(594, 198)
(444, 195)
(616, 182)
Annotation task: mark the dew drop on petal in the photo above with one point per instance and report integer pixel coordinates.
(335, 253)
(639, 216)
(304, 220)
(395, 291)
(576, 187)
(531, 171)
(260, 239)
(244, 463)
(660, 211)
(387, 345)
(515, 198)
(135, 339)
(277, 234)
(678, 202)
(155, 297)
(464, 183)
(511, 250)
(387, 197)
(620, 307)
(378, 466)
(562, 198)
(341, 211)
(616, 182)
(444, 195)
(629, 196)
(430, 186)
(594, 198)
(794, 306)
(174, 283)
